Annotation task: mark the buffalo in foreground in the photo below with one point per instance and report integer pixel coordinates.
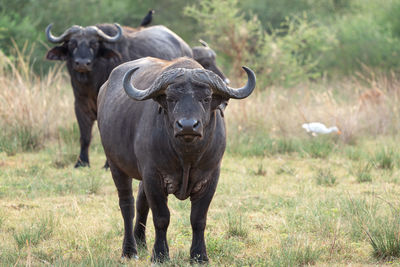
(159, 123)
(92, 52)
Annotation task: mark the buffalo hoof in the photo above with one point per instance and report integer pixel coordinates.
(199, 259)
(125, 258)
(159, 259)
(81, 163)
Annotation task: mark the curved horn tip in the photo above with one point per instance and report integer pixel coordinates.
(49, 26)
(119, 28)
(204, 43)
(128, 74)
(248, 70)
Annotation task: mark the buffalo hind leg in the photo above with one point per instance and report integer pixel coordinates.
(142, 210)
(85, 123)
(157, 200)
(127, 206)
(198, 218)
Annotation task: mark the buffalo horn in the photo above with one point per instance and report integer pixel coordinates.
(108, 38)
(203, 43)
(158, 86)
(204, 76)
(221, 88)
(63, 36)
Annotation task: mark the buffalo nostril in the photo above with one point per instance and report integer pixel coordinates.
(88, 63)
(196, 124)
(179, 124)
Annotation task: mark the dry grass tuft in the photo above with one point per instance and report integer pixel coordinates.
(32, 108)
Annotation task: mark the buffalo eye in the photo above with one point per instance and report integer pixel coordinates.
(206, 65)
(72, 44)
(171, 100)
(206, 100)
(94, 44)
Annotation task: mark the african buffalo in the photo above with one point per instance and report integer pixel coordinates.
(206, 57)
(92, 52)
(159, 123)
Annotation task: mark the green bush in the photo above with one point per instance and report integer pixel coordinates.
(292, 53)
(362, 42)
(224, 24)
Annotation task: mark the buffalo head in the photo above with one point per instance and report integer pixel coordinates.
(82, 45)
(206, 57)
(189, 96)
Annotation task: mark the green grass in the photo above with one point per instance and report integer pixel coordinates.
(270, 210)
(19, 139)
(68, 146)
(384, 237)
(237, 226)
(362, 172)
(293, 253)
(31, 235)
(325, 177)
(385, 158)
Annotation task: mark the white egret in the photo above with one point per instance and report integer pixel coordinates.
(316, 128)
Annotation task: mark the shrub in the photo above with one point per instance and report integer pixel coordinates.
(225, 26)
(292, 53)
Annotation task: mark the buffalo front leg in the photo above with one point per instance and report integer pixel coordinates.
(157, 200)
(85, 122)
(198, 218)
(126, 204)
(142, 210)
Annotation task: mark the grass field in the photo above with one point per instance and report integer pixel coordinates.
(284, 198)
(284, 209)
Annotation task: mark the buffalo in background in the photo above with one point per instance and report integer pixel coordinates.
(159, 123)
(207, 58)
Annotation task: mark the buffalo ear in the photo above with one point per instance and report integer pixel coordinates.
(108, 53)
(162, 101)
(219, 102)
(57, 53)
